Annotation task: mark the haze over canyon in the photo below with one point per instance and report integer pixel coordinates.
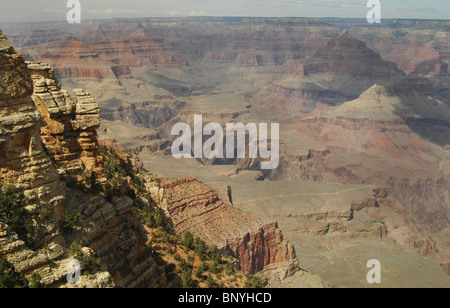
(364, 126)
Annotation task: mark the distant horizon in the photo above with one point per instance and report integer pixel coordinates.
(31, 11)
(226, 17)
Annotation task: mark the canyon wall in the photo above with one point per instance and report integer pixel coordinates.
(110, 231)
(70, 133)
(255, 242)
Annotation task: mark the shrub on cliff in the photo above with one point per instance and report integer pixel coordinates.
(215, 267)
(36, 282)
(188, 282)
(200, 248)
(89, 263)
(188, 240)
(200, 270)
(122, 180)
(9, 278)
(14, 214)
(214, 253)
(154, 219)
(253, 282)
(210, 283)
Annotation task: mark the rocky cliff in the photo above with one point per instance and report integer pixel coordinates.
(380, 127)
(24, 161)
(347, 55)
(255, 242)
(70, 135)
(109, 231)
(48, 139)
(109, 58)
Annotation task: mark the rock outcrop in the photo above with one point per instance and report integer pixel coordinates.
(107, 231)
(4, 43)
(255, 242)
(336, 73)
(69, 135)
(24, 161)
(347, 55)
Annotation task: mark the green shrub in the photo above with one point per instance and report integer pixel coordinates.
(200, 270)
(200, 247)
(188, 282)
(89, 264)
(14, 214)
(210, 283)
(36, 281)
(215, 254)
(215, 267)
(188, 240)
(184, 265)
(9, 278)
(44, 211)
(69, 222)
(116, 174)
(229, 269)
(75, 250)
(253, 282)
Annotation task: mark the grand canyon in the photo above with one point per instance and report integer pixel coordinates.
(364, 171)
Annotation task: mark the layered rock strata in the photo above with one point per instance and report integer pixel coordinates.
(69, 135)
(108, 231)
(255, 242)
(347, 55)
(24, 162)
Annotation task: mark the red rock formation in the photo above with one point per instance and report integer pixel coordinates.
(347, 55)
(110, 58)
(195, 207)
(416, 46)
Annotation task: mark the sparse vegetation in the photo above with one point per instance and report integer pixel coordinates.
(215, 267)
(75, 250)
(9, 278)
(154, 219)
(188, 240)
(200, 270)
(200, 248)
(187, 259)
(89, 263)
(253, 282)
(121, 181)
(210, 282)
(14, 214)
(36, 281)
(229, 269)
(188, 282)
(193, 261)
(69, 222)
(44, 211)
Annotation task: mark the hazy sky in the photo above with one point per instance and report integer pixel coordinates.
(42, 10)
